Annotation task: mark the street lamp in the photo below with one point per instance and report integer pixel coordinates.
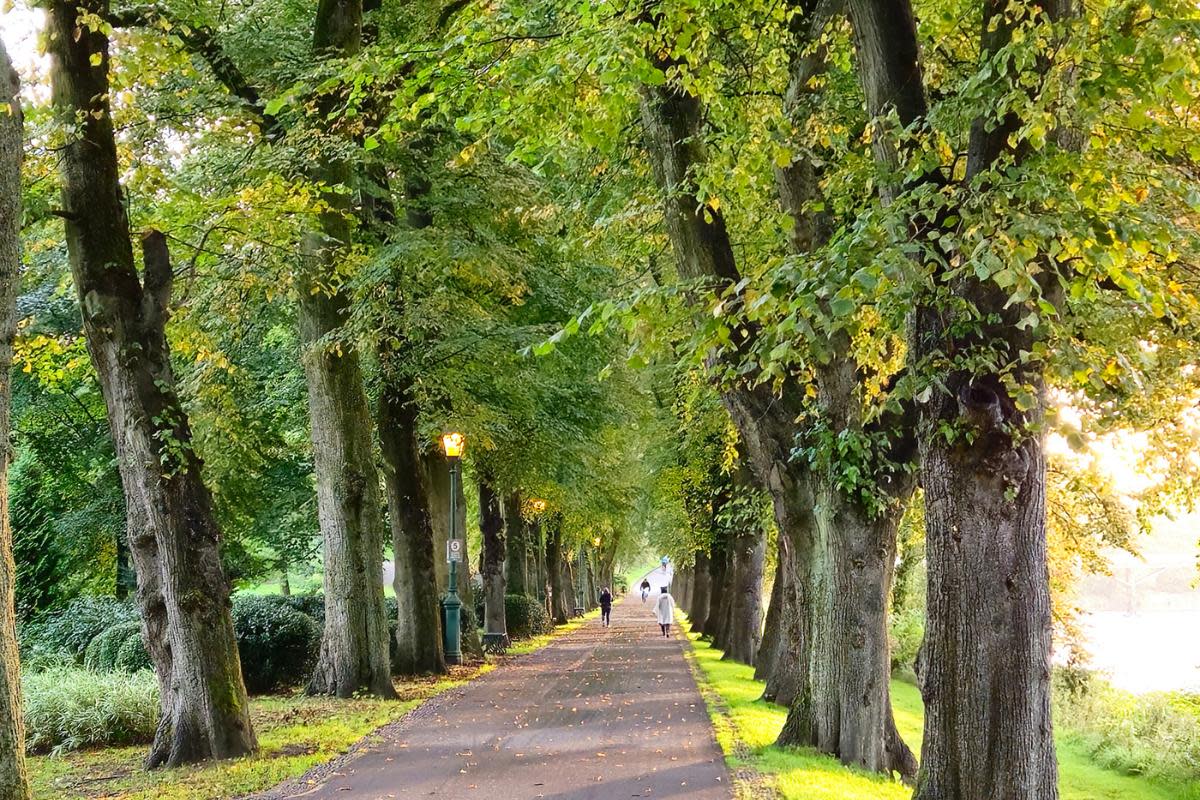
(454, 444)
(534, 508)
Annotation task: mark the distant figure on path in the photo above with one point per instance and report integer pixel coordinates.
(664, 609)
(645, 589)
(606, 606)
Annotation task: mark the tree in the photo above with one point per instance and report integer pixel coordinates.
(174, 536)
(14, 781)
(827, 532)
(354, 648)
(492, 525)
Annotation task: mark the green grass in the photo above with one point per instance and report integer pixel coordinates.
(295, 733)
(746, 729)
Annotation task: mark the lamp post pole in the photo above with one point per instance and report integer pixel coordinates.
(451, 604)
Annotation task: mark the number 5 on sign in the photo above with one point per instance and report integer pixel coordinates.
(454, 550)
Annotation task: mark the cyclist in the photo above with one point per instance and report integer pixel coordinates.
(645, 589)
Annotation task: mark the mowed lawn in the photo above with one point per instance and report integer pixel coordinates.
(747, 727)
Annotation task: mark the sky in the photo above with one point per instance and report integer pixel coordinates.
(18, 29)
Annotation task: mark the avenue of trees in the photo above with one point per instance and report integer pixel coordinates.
(803, 293)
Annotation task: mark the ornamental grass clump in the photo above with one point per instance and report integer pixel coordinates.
(69, 709)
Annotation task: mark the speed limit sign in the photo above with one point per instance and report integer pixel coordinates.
(454, 550)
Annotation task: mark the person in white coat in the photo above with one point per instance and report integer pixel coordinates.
(664, 609)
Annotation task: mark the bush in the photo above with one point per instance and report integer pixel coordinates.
(311, 603)
(132, 655)
(101, 652)
(525, 617)
(1150, 734)
(65, 634)
(277, 644)
(68, 709)
(906, 630)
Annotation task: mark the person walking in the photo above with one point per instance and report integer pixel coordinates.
(605, 607)
(664, 609)
(645, 589)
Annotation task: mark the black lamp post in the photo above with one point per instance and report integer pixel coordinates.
(454, 444)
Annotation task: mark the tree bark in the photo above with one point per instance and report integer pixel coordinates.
(846, 706)
(744, 633)
(354, 647)
(683, 579)
(718, 596)
(698, 611)
(516, 555)
(570, 584)
(174, 537)
(769, 648)
(491, 526)
(419, 630)
(559, 609)
(590, 592)
(14, 779)
(985, 661)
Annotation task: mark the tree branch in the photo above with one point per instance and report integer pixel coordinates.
(200, 40)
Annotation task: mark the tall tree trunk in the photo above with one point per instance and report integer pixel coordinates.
(436, 474)
(571, 584)
(537, 559)
(14, 780)
(126, 580)
(772, 639)
(766, 422)
(590, 593)
(847, 708)
(683, 578)
(718, 562)
(985, 661)
(744, 634)
(418, 631)
(491, 526)
(354, 648)
(789, 671)
(559, 609)
(285, 583)
(701, 582)
(516, 555)
(173, 532)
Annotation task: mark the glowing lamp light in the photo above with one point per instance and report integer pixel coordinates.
(537, 505)
(596, 541)
(454, 444)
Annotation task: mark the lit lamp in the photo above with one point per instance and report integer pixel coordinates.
(454, 444)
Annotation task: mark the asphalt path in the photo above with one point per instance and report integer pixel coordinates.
(598, 714)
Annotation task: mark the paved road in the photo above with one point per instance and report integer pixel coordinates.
(598, 714)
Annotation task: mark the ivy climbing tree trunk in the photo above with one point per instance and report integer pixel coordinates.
(14, 779)
(418, 631)
(491, 527)
(354, 648)
(174, 537)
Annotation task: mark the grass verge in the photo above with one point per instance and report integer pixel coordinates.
(747, 727)
(295, 734)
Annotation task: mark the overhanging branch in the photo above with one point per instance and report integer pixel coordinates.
(201, 41)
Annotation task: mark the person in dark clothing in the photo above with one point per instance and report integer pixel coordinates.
(605, 607)
(645, 589)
